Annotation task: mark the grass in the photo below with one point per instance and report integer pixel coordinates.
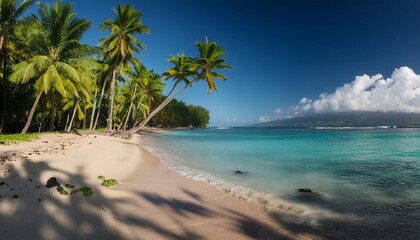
(17, 138)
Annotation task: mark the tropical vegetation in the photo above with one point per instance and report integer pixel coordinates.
(51, 80)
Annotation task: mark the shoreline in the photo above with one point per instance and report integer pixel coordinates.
(150, 202)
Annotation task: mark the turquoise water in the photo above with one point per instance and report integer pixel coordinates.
(366, 182)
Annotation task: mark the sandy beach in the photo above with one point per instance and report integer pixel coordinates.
(150, 201)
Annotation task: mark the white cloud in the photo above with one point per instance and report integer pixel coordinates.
(399, 93)
(278, 111)
(233, 120)
(264, 119)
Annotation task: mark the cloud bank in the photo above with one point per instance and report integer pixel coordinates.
(398, 93)
(264, 119)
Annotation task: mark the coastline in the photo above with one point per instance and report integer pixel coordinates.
(150, 201)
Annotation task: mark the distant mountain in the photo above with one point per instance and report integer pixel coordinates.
(348, 119)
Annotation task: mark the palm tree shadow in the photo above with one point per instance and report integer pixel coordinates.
(180, 207)
(28, 208)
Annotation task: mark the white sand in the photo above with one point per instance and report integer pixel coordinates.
(150, 201)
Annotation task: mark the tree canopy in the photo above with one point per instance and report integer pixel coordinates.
(56, 82)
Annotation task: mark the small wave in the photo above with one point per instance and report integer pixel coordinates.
(354, 128)
(296, 212)
(222, 128)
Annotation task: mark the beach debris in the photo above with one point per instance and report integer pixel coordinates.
(62, 191)
(15, 196)
(52, 182)
(87, 191)
(2, 183)
(108, 182)
(238, 172)
(305, 190)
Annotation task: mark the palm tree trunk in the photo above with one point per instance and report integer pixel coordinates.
(131, 106)
(53, 110)
(93, 110)
(72, 117)
(31, 114)
(162, 105)
(111, 100)
(42, 115)
(173, 88)
(67, 121)
(84, 116)
(3, 109)
(99, 104)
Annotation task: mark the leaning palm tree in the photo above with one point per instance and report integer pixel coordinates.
(59, 60)
(203, 68)
(121, 44)
(10, 11)
(152, 88)
(138, 77)
(180, 72)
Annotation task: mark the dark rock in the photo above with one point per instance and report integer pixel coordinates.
(304, 190)
(15, 196)
(39, 199)
(238, 172)
(2, 183)
(52, 182)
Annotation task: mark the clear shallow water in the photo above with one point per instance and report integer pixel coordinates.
(366, 181)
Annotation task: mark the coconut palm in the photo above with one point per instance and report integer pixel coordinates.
(10, 11)
(151, 88)
(180, 72)
(59, 61)
(138, 77)
(101, 75)
(203, 68)
(121, 44)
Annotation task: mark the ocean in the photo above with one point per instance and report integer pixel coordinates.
(365, 182)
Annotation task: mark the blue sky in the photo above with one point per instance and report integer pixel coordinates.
(280, 50)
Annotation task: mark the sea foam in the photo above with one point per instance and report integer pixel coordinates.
(292, 211)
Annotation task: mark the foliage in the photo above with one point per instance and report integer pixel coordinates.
(120, 46)
(108, 182)
(62, 191)
(179, 114)
(16, 138)
(59, 63)
(191, 70)
(87, 191)
(69, 186)
(54, 82)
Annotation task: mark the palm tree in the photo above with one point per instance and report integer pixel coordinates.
(60, 61)
(101, 77)
(152, 88)
(139, 76)
(180, 72)
(204, 69)
(10, 12)
(121, 44)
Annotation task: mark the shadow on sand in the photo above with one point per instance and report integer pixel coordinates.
(28, 208)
